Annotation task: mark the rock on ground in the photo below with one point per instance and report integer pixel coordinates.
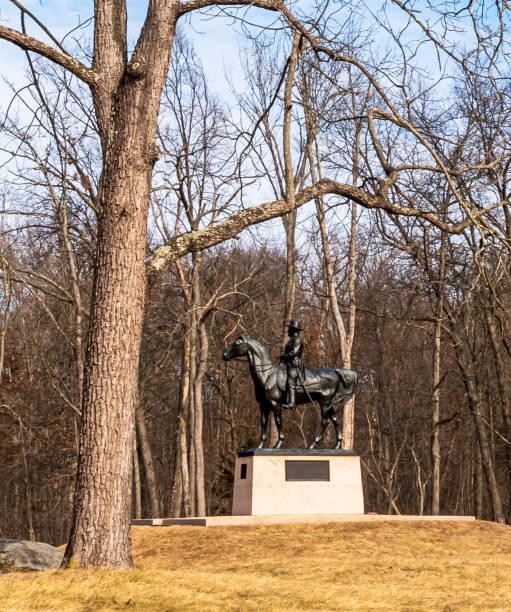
(26, 555)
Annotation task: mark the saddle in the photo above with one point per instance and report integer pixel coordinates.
(314, 380)
(281, 372)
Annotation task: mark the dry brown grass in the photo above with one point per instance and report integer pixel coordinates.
(340, 566)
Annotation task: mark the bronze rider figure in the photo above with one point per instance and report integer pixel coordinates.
(292, 359)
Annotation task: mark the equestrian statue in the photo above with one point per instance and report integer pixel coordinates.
(288, 383)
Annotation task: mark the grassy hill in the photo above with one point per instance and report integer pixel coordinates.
(443, 566)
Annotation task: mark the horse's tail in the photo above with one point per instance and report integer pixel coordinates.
(349, 379)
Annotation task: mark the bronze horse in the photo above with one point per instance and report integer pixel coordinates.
(327, 387)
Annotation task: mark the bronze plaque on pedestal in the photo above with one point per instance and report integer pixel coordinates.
(307, 470)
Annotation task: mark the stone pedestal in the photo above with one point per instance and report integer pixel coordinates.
(297, 482)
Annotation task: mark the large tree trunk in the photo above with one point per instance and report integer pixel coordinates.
(177, 481)
(501, 385)
(147, 460)
(185, 477)
(478, 485)
(181, 488)
(28, 493)
(137, 489)
(5, 273)
(190, 415)
(435, 436)
(480, 423)
(104, 465)
(200, 497)
(100, 535)
(435, 398)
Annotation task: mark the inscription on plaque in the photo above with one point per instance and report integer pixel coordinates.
(307, 470)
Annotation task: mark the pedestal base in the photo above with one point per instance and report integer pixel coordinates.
(297, 482)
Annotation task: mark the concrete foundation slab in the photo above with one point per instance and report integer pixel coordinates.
(226, 521)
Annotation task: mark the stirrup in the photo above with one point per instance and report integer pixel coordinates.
(289, 406)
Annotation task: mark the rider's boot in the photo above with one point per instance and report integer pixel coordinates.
(291, 398)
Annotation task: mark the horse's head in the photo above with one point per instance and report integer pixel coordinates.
(237, 349)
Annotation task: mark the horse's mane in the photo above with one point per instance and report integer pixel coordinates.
(260, 348)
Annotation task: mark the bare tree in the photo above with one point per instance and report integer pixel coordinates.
(126, 93)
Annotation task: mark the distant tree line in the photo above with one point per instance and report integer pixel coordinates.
(408, 415)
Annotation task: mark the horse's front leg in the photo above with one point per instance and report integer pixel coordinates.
(264, 426)
(277, 415)
(338, 431)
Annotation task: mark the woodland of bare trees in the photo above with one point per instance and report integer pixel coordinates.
(367, 152)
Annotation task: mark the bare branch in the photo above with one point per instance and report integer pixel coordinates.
(87, 75)
(204, 238)
(194, 5)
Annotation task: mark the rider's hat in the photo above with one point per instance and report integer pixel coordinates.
(295, 325)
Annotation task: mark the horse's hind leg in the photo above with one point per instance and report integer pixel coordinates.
(264, 427)
(324, 423)
(277, 415)
(338, 430)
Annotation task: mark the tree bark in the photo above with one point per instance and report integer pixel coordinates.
(137, 489)
(177, 482)
(200, 497)
(190, 413)
(77, 296)
(28, 494)
(100, 534)
(501, 378)
(478, 484)
(6, 311)
(185, 476)
(437, 345)
(147, 461)
(348, 417)
(482, 435)
(181, 489)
